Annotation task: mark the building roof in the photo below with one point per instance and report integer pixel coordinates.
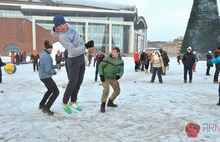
(102, 5)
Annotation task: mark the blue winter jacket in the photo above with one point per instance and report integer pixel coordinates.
(71, 41)
(215, 60)
(46, 67)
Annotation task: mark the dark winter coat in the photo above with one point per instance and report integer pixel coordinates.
(142, 59)
(110, 67)
(165, 58)
(209, 57)
(188, 60)
(147, 59)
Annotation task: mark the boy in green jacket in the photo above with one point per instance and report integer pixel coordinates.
(110, 70)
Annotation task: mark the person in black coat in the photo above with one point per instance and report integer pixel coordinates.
(209, 57)
(188, 62)
(1, 64)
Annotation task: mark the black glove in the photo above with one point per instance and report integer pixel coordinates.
(89, 44)
(117, 77)
(102, 78)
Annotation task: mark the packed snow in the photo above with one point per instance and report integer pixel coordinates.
(146, 111)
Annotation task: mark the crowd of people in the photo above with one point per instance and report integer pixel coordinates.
(109, 68)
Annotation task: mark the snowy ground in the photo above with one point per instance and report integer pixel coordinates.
(146, 111)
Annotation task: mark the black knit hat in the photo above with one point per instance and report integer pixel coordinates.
(47, 44)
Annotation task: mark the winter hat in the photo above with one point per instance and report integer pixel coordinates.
(47, 44)
(210, 52)
(189, 48)
(58, 20)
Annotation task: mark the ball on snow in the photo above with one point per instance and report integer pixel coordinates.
(10, 68)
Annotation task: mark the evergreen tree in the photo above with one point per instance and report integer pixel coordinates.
(203, 27)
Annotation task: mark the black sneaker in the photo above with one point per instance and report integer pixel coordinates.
(47, 110)
(41, 106)
(184, 81)
(190, 81)
(218, 103)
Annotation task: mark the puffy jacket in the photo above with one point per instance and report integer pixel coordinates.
(110, 67)
(188, 60)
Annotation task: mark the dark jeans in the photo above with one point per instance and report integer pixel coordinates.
(76, 70)
(137, 65)
(207, 70)
(146, 66)
(97, 70)
(52, 92)
(35, 64)
(216, 74)
(66, 66)
(185, 73)
(157, 70)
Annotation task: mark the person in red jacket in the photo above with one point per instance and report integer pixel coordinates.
(136, 61)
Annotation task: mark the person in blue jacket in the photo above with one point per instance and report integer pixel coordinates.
(216, 61)
(46, 71)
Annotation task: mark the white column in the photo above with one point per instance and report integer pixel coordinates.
(145, 39)
(34, 33)
(131, 39)
(86, 32)
(110, 38)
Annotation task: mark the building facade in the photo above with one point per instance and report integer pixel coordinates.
(27, 23)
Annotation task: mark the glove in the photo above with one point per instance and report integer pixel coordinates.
(55, 73)
(61, 65)
(102, 78)
(89, 44)
(117, 77)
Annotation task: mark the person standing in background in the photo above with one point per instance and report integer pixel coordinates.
(98, 58)
(188, 62)
(89, 58)
(136, 61)
(208, 57)
(178, 58)
(34, 58)
(217, 66)
(58, 58)
(1, 65)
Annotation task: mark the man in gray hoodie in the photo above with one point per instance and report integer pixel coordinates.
(73, 42)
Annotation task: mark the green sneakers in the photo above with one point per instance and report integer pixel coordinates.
(75, 106)
(67, 109)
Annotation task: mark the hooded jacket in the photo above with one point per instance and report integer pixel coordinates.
(157, 61)
(188, 60)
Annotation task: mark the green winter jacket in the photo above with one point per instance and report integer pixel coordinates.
(110, 67)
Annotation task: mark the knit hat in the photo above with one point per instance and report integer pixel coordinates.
(58, 20)
(189, 48)
(47, 44)
(210, 52)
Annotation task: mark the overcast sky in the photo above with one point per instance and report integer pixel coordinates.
(166, 19)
